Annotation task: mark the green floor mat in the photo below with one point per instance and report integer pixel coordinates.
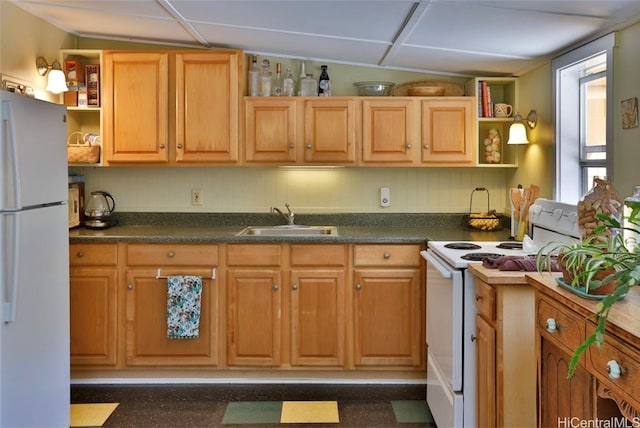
(411, 411)
(253, 412)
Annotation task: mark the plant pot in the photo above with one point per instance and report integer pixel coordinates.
(606, 288)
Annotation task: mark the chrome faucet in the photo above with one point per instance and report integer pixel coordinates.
(288, 217)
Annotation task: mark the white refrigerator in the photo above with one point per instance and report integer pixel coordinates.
(34, 264)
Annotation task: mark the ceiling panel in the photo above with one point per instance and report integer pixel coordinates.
(494, 37)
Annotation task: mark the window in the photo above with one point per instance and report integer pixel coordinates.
(583, 117)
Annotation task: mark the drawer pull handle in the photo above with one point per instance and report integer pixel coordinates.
(171, 254)
(294, 286)
(276, 287)
(309, 146)
(409, 146)
(129, 286)
(474, 338)
(551, 325)
(179, 146)
(386, 255)
(614, 369)
(358, 286)
(478, 297)
(292, 146)
(80, 254)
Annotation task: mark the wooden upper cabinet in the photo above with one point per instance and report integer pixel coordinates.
(271, 130)
(207, 103)
(136, 106)
(389, 131)
(448, 131)
(330, 130)
(142, 92)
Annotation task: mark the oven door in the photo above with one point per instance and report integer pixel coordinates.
(445, 312)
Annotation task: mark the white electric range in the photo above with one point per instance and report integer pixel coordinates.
(451, 311)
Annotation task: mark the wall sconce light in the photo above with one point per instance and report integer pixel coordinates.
(517, 130)
(56, 81)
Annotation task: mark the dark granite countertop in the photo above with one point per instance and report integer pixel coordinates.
(223, 228)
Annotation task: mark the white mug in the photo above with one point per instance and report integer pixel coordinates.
(502, 110)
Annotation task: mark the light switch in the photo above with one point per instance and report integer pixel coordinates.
(385, 197)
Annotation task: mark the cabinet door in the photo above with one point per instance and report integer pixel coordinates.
(562, 399)
(270, 130)
(387, 317)
(146, 329)
(254, 302)
(207, 104)
(136, 107)
(330, 130)
(389, 131)
(448, 131)
(486, 373)
(317, 318)
(93, 315)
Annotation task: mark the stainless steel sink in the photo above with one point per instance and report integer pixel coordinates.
(289, 230)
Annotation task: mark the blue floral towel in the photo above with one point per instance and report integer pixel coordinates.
(184, 296)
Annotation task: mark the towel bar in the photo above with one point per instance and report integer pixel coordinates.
(160, 276)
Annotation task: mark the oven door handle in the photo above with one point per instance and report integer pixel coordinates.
(446, 273)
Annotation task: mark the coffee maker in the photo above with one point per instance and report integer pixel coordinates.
(99, 207)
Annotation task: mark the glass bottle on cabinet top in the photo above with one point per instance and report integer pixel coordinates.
(254, 77)
(278, 82)
(265, 79)
(289, 84)
(309, 86)
(324, 83)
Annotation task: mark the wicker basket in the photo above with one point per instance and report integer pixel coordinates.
(488, 221)
(81, 152)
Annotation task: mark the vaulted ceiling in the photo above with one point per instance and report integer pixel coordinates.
(458, 37)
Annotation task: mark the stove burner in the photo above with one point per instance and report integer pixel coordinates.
(462, 246)
(478, 257)
(510, 245)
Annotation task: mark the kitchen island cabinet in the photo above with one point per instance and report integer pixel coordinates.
(387, 306)
(505, 340)
(172, 108)
(604, 386)
(147, 343)
(93, 304)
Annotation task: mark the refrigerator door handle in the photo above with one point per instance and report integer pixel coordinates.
(13, 261)
(13, 165)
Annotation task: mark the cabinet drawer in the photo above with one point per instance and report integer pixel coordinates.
(172, 254)
(318, 255)
(569, 328)
(627, 385)
(486, 300)
(93, 254)
(254, 255)
(386, 255)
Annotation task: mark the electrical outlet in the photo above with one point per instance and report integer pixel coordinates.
(385, 197)
(196, 197)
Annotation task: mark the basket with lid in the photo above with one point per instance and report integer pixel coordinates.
(488, 220)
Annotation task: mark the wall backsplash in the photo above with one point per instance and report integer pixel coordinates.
(308, 190)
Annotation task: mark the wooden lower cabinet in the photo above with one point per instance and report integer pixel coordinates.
(505, 349)
(387, 306)
(562, 399)
(146, 338)
(254, 302)
(93, 304)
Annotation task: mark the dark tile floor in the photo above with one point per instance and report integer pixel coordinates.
(195, 406)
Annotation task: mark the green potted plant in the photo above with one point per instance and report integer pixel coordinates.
(605, 251)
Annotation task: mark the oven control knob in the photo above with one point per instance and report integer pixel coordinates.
(572, 217)
(535, 209)
(613, 369)
(557, 214)
(551, 325)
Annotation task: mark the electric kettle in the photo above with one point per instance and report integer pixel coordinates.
(98, 209)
